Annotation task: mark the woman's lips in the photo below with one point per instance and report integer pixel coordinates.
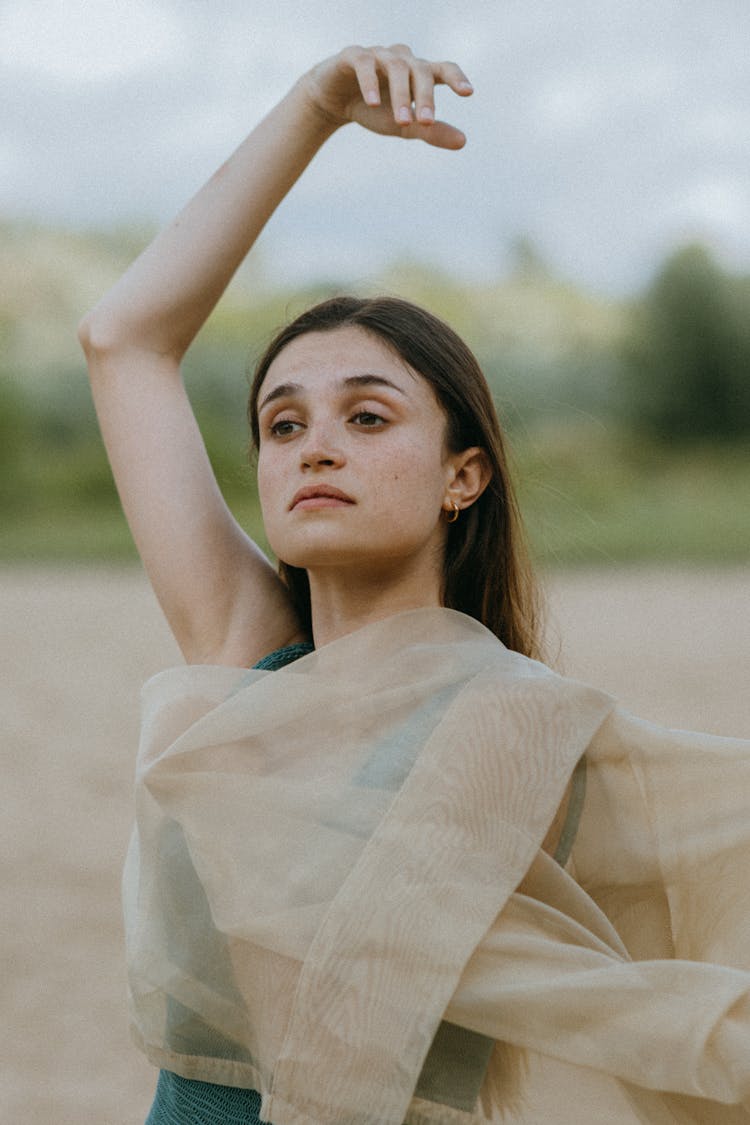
(322, 502)
(320, 496)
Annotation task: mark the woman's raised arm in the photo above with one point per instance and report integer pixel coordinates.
(222, 599)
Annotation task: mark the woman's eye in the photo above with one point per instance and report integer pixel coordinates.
(367, 418)
(284, 427)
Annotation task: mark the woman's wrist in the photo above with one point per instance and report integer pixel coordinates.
(316, 121)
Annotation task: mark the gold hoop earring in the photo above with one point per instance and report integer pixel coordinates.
(451, 517)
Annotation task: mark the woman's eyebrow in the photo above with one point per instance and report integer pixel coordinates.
(368, 380)
(284, 390)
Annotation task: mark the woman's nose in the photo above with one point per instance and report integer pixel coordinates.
(320, 449)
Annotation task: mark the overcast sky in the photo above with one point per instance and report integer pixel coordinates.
(608, 131)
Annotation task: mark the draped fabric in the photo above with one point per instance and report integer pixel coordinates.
(336, 892)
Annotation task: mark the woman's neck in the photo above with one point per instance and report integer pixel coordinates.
(342, 603)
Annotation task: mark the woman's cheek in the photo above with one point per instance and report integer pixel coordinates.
(267, 482)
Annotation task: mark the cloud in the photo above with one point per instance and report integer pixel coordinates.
(605, 132)
(75, 41)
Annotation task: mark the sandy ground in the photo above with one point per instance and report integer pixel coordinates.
(673, 645)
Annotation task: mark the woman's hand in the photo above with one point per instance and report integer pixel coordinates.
(387, 90)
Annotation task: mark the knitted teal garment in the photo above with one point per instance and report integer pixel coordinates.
(185, 1101)
(284, 656)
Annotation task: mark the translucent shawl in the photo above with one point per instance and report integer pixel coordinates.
(336, 892)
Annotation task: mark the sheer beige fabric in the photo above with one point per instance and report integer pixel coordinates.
(336, 893)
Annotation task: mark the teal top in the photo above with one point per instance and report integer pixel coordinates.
(186, 1101)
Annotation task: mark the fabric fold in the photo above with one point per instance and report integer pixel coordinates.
(336, 880)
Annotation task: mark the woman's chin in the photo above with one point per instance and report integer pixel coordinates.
(321, 546)
(309, 553)
(321, 559)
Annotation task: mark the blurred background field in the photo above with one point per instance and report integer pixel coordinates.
(629, 421)
(592, 245)
(629, 418)
(673, 644)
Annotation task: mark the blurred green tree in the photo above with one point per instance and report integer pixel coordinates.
(15, 424)
(688, 351)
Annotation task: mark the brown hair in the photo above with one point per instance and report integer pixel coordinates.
(486, 570)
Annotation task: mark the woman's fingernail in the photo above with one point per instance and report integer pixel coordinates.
(426, 114)
(404, 114)
(465, 85)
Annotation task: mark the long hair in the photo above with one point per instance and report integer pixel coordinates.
(486, 568)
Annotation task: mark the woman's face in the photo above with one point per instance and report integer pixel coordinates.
(352, 465)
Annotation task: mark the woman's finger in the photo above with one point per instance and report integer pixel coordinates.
(423, 90)
(440, 135)
(450, 74)
(367, 77)
(398, 75)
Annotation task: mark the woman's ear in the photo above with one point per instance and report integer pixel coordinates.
(470, 473)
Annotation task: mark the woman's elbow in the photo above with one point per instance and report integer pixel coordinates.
(100, 336)
(93, 336)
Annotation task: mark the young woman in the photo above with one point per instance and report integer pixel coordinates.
(387, 866)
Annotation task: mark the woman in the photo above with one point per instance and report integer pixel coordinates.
(365, 884)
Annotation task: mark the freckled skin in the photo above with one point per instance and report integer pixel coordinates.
(383, 446)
